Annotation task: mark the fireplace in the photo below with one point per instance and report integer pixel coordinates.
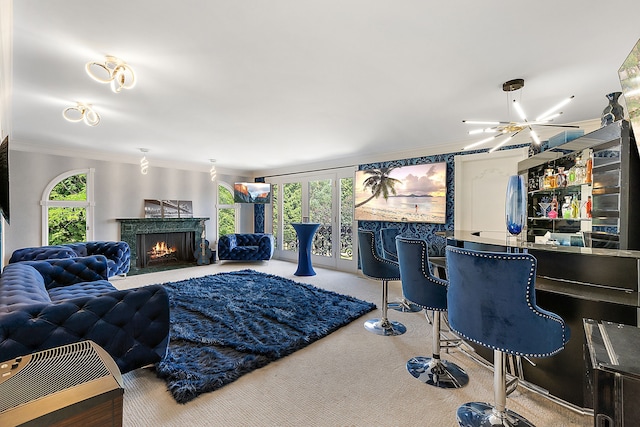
(158, 242)
(157, 249)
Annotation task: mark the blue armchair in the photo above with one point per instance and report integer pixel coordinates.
(118, 254)
(246, 247)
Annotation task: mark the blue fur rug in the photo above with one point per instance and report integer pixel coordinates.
(226, 325)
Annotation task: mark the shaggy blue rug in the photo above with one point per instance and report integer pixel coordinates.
(228, 324)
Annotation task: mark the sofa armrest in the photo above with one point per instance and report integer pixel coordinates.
(118, 255)
(265, 242)
(226, 244)
(131, 325)
(68, 271)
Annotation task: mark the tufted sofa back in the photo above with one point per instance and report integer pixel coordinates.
(118, 254)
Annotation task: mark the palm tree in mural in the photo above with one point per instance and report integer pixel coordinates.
(380, 183)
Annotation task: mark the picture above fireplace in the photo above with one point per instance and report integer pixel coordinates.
(168, 208)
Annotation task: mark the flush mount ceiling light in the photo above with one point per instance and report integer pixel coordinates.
(82, 112)
(113, 70)
(144, 163)
(512, 128)
(212, 172)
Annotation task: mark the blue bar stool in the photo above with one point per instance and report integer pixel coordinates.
(423, 289)
(390, 252)
(491, 300)
(375, 267)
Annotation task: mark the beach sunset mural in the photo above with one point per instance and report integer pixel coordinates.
(414, 193)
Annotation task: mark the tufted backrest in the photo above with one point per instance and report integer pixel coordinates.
(67, 271)
(491, 301)
(388, 239)
(418, 284)
(246, 246)
(39, 253)
(373, 265)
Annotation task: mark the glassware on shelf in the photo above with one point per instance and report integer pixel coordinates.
(516, 205)
(553, 213)
(549, 179)
(561, 177)
(566, 207)
(545, 208)
(588, 171)
(575, 207)
(580, 170)
(588, 207)
(571, 176)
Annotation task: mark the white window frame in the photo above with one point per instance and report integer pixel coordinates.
(234, 206)
(88, 204)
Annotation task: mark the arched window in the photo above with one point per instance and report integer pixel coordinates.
(67, 208)
(227, 210)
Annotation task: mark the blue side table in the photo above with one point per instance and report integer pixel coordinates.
(305, 231)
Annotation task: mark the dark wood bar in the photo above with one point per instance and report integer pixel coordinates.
(575, 283)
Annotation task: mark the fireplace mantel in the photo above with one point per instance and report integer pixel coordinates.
(131, 227)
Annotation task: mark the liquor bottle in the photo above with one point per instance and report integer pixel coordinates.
(561, 178)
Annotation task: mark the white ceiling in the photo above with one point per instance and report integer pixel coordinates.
(264, 85)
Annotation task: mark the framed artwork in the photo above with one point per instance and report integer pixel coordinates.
(168, 208)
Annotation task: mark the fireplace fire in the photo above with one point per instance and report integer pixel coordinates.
(161, 251)
(164, 248)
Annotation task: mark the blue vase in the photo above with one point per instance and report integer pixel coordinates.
(516, 205)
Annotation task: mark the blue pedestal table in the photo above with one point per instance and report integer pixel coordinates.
(305, 231)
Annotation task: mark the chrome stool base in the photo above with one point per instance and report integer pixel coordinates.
(404, 306)
(436, 372)
(385, 327)
(478, 414)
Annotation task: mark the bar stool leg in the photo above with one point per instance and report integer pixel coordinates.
(480, 414)
(384, 326)
(433, 370)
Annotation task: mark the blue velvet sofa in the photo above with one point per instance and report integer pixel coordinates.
(246, 247)
(118, 254)
(49, 303)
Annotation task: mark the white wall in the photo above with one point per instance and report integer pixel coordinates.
(120, 191)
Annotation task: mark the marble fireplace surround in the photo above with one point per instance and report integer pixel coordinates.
(131, 227)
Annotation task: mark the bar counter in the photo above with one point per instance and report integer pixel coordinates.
(576, 283)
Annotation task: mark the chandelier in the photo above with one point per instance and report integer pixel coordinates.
(82, 112)
(144, 163)
(509, 129)
(212, 172)
(114, 71)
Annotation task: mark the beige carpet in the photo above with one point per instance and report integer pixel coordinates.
(350, 378)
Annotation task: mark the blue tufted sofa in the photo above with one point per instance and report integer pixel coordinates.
(246, 247)
(49, 303)
(118, 254)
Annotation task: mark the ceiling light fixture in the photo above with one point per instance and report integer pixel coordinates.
(144, 163)
(113, 70)
(82, 112)
(212, 172)
(512, 128)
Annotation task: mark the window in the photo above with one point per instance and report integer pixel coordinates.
(227, 210)
(67, 208)
(326, 198)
